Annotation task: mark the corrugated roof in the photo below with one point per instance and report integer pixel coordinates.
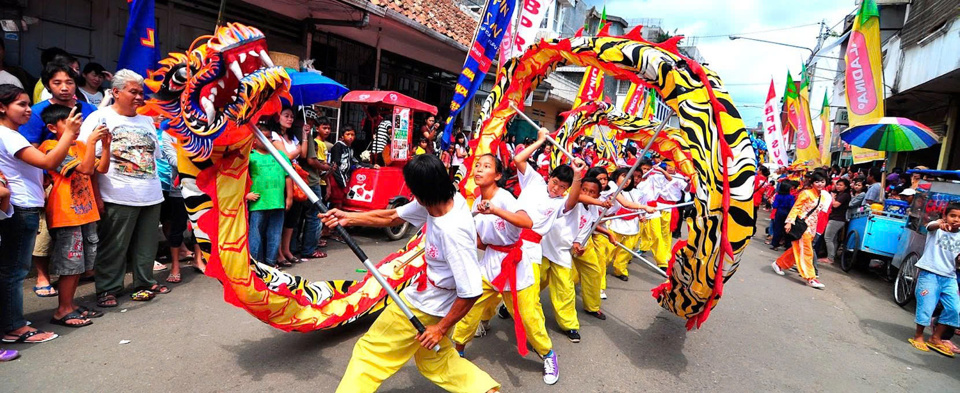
(442, 16)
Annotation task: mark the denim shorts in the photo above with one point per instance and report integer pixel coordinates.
(74, 249)
(932, 289)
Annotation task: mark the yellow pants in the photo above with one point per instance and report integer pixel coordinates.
(620, 256)
(801, 254)
(528, 300)
(601, 247)
(651, 239)
(563, 295)
(491, 309)
(391, 342)
(588, 269)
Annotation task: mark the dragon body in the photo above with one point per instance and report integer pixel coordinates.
(216, 91)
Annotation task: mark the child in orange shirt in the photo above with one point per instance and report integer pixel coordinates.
(72, 215)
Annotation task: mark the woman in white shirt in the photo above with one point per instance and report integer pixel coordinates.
(23, 166)
(90, 83)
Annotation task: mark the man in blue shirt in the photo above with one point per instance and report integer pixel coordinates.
(60, 80)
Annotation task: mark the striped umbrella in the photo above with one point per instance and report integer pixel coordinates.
(890, 134)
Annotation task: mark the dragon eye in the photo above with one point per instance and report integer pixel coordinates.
(180, 76)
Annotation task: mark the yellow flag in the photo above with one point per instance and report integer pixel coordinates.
(825, 132)
(864, 73)
(798, 116)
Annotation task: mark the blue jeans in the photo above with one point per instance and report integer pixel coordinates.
(266, 227)
(17, 236)
(311, 230)
(931, 289)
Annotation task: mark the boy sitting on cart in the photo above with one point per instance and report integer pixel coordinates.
(937, 281)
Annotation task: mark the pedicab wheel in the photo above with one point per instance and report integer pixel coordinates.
(848, 256)
(906, 281)
(400, 231)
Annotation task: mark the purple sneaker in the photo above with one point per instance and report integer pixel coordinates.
(7, 355)
(550, 371)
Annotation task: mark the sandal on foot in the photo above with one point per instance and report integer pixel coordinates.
(322, 243)
(173, 278)
(72, 316)
(107, 300)
(318, 254)
(142, 295)
(941, 348)
(45, 291)
(284, 263)
(920, 345)
(89, 312)
(159, 289)
(25, 337)
(597, 314)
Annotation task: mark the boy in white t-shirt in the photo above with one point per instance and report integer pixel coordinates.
(650, 183)
(555, 223)
(937, 281)
(586, 259)
(454, 283)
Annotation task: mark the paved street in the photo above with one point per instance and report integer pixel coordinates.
(768, 334)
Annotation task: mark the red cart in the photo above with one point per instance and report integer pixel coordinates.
(384, 188)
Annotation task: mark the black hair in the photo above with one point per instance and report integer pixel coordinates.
(324, 121)
(54, 113)
(527, 141)
(615, 178)
(428, 180)
(90, 67)
(785, 188)
(763, 171)
(593, 172)
(645, 161)
(845, 182)
(876, 173)
(347, 128)
(53, 69)
(563, 173)
(632, 150)
(497, 167)
(9, 93)
(50, 53)
(951, 207)
(591, 180)
(815, 177)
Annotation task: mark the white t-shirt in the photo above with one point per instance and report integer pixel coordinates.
(588, 215)
(24, 180)
(291, 147)
(494, 230)
(939, 253)
(646, 193)
(674, 189)
(132, 178)
(826, 202)
(542, 209)
(456, 159)
(451, 256)
(92, 99)
(7, 78)
(556, 244)
(624, 227)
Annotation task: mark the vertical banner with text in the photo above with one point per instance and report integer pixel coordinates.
(519, 39)
(400, 147)
(494, 20)
(776, 150)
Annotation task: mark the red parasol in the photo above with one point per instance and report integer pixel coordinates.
(388, 98)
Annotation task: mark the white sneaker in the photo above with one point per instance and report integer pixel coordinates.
(551, 373)
(777, 269)
(603, 294)
(815, 284)
(482, 329)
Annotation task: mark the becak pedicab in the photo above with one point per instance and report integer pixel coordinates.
(383, 187)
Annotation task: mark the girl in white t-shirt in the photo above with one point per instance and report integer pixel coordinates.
(500, 220)
(625, 230)
(23, 165)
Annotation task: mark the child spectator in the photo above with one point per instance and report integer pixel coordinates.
(937, 281)
(72, 214)
(344, 162)
(782, 204)
(422, 147)
(271, 193)
(316, 161)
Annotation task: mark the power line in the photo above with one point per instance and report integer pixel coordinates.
(756, 32)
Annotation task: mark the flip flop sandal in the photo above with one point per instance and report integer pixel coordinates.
(918, 345)
(318, 254)
(26, 336)
(89, 312)
(50, 291)
(941, 348)
(322, 243)
(71, 316)
(7, 355)
(107, 300)
(159, 289)
(142, 296)
(173, 278)
(284, 263)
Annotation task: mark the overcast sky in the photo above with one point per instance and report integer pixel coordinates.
(746, 66)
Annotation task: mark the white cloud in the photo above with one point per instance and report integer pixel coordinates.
(746, 67)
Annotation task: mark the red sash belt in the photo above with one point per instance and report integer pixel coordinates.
(674, 214)
(530, 236)
(623, 211)
(508, 275)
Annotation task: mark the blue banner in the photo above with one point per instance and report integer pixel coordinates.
(140, 52)
(494, 20)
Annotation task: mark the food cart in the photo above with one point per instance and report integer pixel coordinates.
(384, 188)
(928, 204)
(874, 234)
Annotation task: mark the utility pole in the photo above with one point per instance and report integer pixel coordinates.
(811, 65)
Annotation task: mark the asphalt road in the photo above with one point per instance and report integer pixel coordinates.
(768, 333)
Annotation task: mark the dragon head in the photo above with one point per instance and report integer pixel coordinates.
(222, 82)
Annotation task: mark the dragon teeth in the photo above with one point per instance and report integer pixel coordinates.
(243, 57)
(265, 58)
(220, 83)
(253, 53)
(207, 105)
(235, 68)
